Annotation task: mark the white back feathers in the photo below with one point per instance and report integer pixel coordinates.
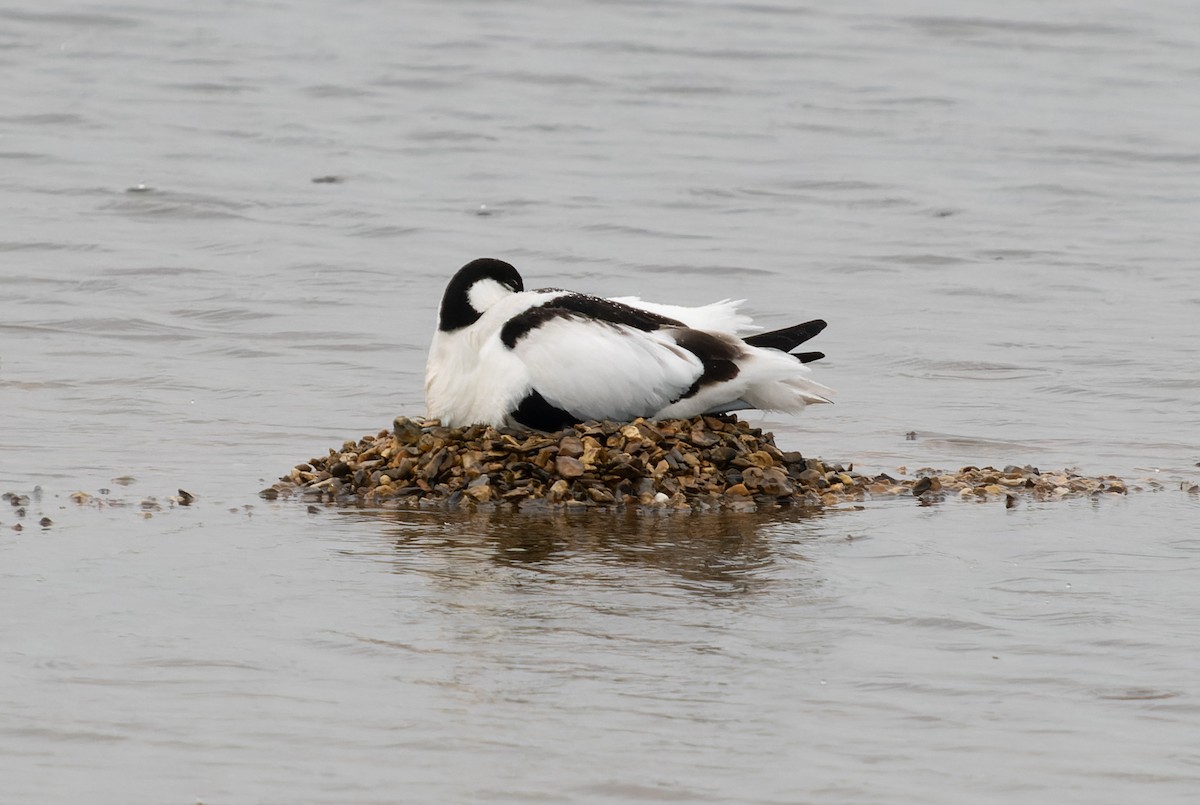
(547, 359)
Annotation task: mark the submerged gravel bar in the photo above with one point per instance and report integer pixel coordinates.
(701, 464)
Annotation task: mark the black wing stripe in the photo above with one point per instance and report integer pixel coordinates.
(593, 307)
(525, 323)
(719, 357)
(574, 305)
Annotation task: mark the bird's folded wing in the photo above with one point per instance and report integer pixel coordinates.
(721, 316)
(601, 370)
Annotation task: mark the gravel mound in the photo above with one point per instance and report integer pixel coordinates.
(701, 464)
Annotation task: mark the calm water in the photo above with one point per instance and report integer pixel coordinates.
(994, 207)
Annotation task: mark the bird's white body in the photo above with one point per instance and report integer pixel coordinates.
(566, 357)
(471, 376)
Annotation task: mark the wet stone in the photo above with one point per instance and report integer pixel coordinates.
(571, 446)
(405, 430)
(569, 467)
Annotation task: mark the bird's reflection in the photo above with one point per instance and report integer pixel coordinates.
(727, 550)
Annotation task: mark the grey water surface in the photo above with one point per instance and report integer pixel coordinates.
(224, 230)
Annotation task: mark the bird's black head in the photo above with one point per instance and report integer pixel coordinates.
(476, 287)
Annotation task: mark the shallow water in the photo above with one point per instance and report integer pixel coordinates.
(994, 209)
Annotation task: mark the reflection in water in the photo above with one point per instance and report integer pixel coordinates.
(725, 551)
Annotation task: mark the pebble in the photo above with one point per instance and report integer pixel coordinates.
(568, 467)
(707, 463)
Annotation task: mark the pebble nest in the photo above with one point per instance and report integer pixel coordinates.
(703, 464)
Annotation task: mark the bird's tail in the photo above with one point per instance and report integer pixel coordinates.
(779, 383)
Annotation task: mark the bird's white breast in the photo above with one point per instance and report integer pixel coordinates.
(470, 375)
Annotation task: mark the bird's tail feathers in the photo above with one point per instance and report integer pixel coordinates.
(777, 382)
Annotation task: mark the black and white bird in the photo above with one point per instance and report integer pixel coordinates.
(549, 358)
